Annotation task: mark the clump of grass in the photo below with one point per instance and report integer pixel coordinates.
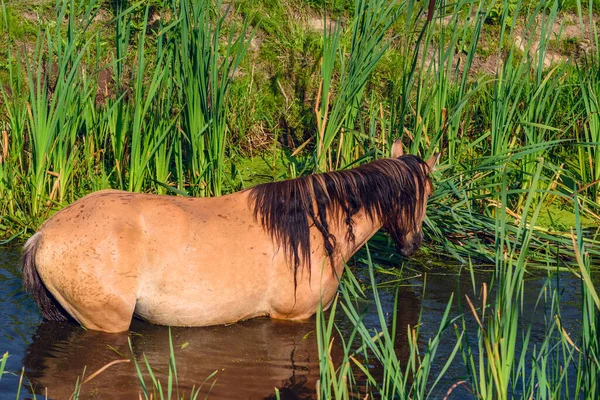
(588, 362)
(150, 385)
(493, 338)
(155, 389)
(338, 104)
(364, 348)
(205, 76)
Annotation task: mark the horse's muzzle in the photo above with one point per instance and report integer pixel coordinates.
(408, 251)
(409, 248)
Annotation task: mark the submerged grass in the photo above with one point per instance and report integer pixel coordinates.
(156, 390)
(151, 386)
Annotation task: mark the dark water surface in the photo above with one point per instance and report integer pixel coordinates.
(251, 358)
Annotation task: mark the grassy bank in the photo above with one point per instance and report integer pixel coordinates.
(186, 97)
(177, 97)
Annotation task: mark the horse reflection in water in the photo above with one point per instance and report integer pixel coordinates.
(251, 358)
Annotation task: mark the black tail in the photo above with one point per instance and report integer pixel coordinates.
(49, 307)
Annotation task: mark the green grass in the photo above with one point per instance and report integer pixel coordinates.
(181, 94)
(492, 340)
(157, 120)
(151, 386)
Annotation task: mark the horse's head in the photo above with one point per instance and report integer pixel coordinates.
(406, 228)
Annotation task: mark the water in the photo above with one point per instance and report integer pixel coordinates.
(250, 358)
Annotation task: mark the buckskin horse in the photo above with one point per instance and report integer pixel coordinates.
(277, 249)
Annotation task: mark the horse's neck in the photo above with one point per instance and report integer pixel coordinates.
(363, 229)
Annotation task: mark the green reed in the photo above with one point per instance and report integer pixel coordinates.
(364, 348)
(338, 104)
(155, 389)
(493, 337)
(3, 364)
(13, 143)
(204, 78)
(498, 334)
(589, 82)
(509, 364)
(588, 363)
(116, 122)
(149, 129)
(513, 114)
(44, 98)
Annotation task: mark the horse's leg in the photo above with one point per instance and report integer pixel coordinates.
(109, 312)
(92, 291)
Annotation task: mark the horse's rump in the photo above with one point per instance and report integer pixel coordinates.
(50, 308)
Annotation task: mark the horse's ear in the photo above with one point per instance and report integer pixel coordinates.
(432, 162)
(397, 149)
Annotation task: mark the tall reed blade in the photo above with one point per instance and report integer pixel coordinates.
(207, 68)
(337, 113)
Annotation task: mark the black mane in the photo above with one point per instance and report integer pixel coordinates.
(389, 190)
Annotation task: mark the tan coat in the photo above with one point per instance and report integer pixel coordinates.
(176, 261)
(182, 261)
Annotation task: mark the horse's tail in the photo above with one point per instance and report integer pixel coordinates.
(50, 308)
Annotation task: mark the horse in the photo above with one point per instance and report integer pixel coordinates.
(277, 249)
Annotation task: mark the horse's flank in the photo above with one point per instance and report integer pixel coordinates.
(183, 261)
